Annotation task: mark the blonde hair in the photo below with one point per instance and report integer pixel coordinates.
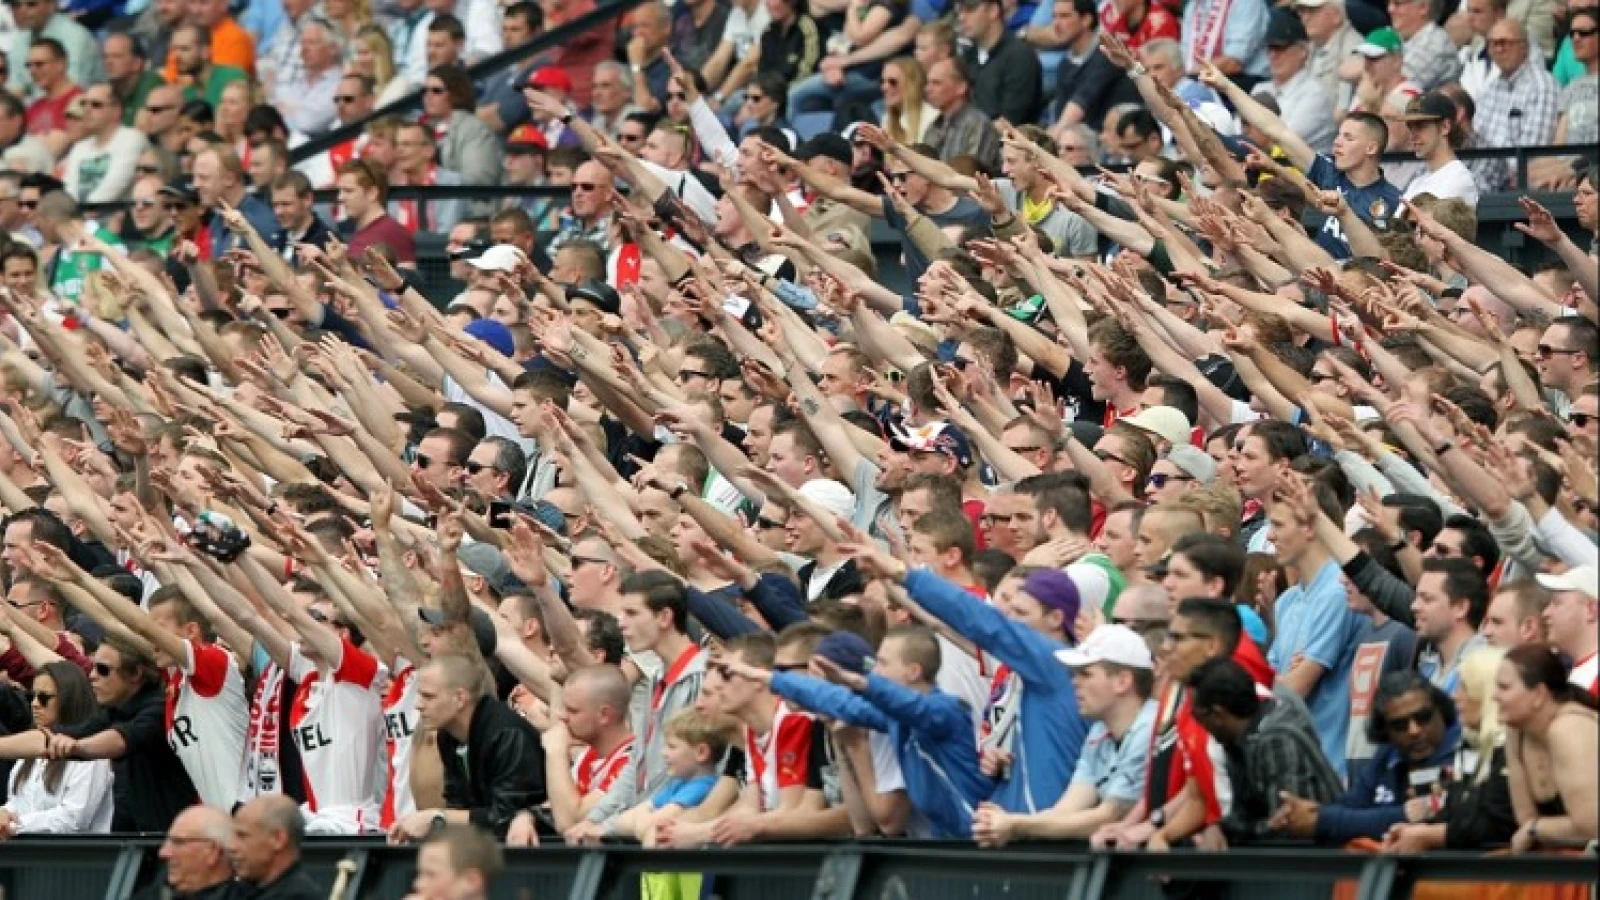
(1217, 504)
(694, 728)
(377, 41)
(1476, 676)
(910, 111)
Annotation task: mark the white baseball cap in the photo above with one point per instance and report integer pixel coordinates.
(1165, 422)
(1583, 579)
(499, 258)
(831, 496)
(1116, 644)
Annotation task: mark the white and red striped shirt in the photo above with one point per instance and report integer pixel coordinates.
(336, 722)
(1586, 674)
(399, 725)
(207, 717)
(780, 758)
(593, 772)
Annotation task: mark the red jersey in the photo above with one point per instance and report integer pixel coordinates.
(48, 114)
(1159, 22)
(1586, 674)
(781, 758)
(593, 772)
(399, 724)
(384, 230)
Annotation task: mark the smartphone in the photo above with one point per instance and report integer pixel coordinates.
(500, 515)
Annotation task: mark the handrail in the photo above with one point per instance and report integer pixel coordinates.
(486, 66)
(115, 867)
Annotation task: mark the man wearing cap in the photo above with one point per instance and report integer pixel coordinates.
(1333, 41)
(940, 448)
(1430, 121)
(1384, 89)
(1301, 101)
(1430, 54)
(1113, 676)
(1166, 426)
(1034, 741)
(1570, 619)
(1182, 470)
(526, 152)
(832, 156)
(556, 84)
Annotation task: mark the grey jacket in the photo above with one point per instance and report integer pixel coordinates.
(471, 149)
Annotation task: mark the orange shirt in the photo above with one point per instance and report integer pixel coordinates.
(231, 45)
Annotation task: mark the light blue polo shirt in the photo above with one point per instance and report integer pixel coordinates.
(1116, 768)
(1315, 622)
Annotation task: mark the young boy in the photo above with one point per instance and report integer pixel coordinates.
(695, 744)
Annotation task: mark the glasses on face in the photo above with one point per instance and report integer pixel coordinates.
(42, 698)
(1420, 718)
(345, 98)
(580, 561)
(677, 95)
(1025, 450)
(1504, 43)
(1581, 420)
(1320, 377)
(158, 110)
(585, 186)
(766, 524)
(992, 519)
(899, 177)
(1583, 32)
(1159, 480)
(1545, 351)
(789, 667)
(1108, 456)
(473, 468)
(422, 461)
(147, 170)
(686, 374)
(102, 669)
(629, 138)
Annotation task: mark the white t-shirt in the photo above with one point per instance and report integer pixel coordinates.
(207, 718)
(1453, 181)
(335, 722)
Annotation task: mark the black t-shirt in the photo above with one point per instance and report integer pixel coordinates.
(1095, 85)
(151, 786)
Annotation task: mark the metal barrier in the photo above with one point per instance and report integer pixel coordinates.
(108, 868)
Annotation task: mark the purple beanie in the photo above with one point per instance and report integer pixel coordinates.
(1055, 590)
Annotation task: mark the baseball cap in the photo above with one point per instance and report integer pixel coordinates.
(1164, 422)
(1583, 579)
(487, 562)
(1284, 29)
(499, 258)
(597, 292)
(494, 333)
(827, 145)
(1056, 590)
(1380, 43)
(1312, 4)
(849, 131)
(831, 496)
(1194, 462)
(525, 138)
(470, 250)
(181, 189)
(552, 78)
(847, 650)
(477, 620)
(1430, 107)
(1115, 644)
(934, 437)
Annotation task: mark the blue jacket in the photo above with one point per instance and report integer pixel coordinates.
(1049, 732)
(776, 597)
(932, 736)
(1379, 790)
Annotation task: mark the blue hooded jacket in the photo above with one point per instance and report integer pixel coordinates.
(1379, 790)
(932, 736)
(1049, 732)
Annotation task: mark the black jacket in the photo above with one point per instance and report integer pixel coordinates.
(151, 786)
(1477, 815)
(502, 772)
(293, 884)
(1006, 84)
(317, 235)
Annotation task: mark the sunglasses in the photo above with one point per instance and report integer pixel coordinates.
(1159, 480)
(1580, 420)
(1420, 718)
(1108, 456)
(433, 89)
(102, 669)
(42, 698)
(686, 374)
(578, 561)
(1545, 351)
(422, 461)
(674, 95)
(790, 667)
(1583, 32)
(585, 186)
(766, 524)
(158, 110)
(898, 177)
(474, 468)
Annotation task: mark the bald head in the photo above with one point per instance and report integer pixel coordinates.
(1142, 603)
(457, 672)
(1508, 45)
(1503, 313)
(602, 685)
(277, 814)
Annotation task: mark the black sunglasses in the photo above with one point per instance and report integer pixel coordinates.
(474, 468)
(765, 523)
(1158, 480)
(102, 669)
(1581, 420)
(42, 698)
(422, 461)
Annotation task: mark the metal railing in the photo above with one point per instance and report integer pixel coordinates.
(114, 869)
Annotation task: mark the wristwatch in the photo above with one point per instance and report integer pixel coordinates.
(1444, 448)
(677, 491)
(1137, 70)
(1158, 818)
(438, 824)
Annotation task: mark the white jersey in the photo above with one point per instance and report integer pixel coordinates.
(399, 727)
(263, 767)
(336, 722)
(207, 717)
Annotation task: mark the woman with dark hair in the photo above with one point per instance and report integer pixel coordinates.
(59, 796)
(1552, 733)
(1414, 729)
(466, 145)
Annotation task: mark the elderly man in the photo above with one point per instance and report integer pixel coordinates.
(100, 166)
(281, 67)
(196, 854)
(1430, 55)
(1301, 101)
(1332, 42)
(960, 128)
(267, 834)
(307, 104)
(1519, 105)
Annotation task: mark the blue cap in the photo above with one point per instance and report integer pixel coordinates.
(848, 651)
(494, 333)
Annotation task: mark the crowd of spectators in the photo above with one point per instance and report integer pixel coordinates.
(1236, 495)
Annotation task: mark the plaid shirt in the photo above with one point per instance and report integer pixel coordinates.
(1278, 753)
(1431, 58)
(1517, 111)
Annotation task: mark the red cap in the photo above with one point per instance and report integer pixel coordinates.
(551, 77)
(527, 136)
